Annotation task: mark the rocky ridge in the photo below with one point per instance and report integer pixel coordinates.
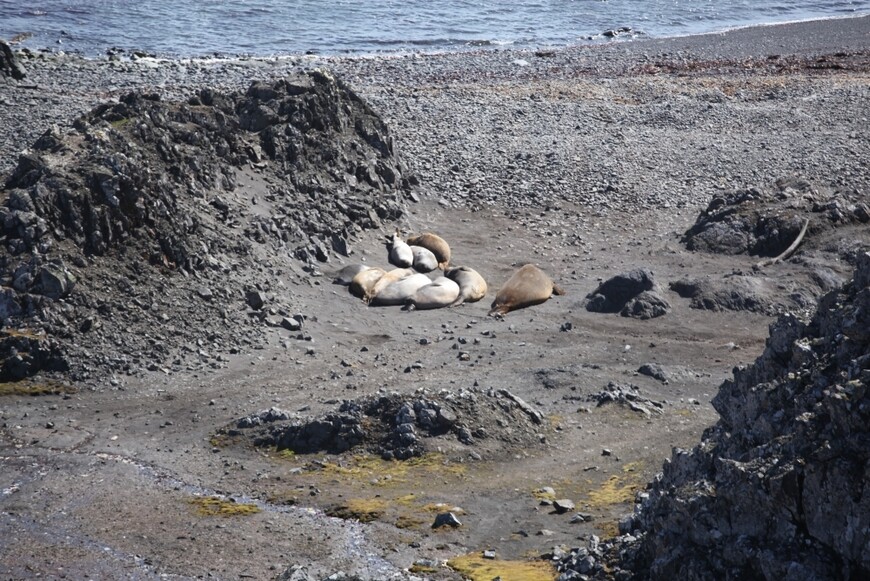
(151, 233)
(777, 489)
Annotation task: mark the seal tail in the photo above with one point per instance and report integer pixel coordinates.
(557, 290)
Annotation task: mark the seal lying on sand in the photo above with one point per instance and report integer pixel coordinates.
(400, 253)
(442, 292)
(472, 287)
(345, 276)
(365, 280)
(386, 280)
(437, 245)
(424, 260)
(400, 291)
(528, 286)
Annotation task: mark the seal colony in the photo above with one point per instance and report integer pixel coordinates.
(410, 286)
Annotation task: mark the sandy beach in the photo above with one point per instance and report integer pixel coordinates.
(589, 161)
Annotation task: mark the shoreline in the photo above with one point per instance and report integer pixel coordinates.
(814, 22)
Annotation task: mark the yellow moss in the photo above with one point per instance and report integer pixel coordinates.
(361, 509)
(28, 387)
(540, 494)
(615, 490)
(442, 507)
(286, 454)
(367, 468)
(408, 522)
(633, 466)
(475, 568)
(214, 506)
(422, 569)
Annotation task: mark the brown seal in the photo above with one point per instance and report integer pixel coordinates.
(527, 287)
(437, 245)
(472, 286)
(442, 292)
(365, 280)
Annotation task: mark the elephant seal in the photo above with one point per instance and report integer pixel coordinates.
(437, 245)
(400, 253)
(527, 287)
(400, 291)
(345, 276)
(442, 292)
(424, 260)
(386, 280)
(364, 280)
(472, 287)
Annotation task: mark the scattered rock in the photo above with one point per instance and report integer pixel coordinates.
(629, 396)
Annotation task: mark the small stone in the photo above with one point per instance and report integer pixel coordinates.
(606, 452)
(489, 554)
(563, 505)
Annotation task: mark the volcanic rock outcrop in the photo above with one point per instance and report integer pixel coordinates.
(147, 214)
(778, 488)
(400, 427)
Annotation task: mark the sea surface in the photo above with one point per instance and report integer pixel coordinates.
(276, 27)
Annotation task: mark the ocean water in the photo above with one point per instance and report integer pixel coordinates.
(274, 27)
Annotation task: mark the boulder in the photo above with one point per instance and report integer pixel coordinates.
(632, 294)
(10, 66)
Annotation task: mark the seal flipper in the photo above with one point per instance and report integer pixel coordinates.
(457, 302)
(557, 290)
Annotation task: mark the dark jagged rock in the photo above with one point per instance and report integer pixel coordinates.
(397, 427)
(764, 222)
(145, 206)
(777, 489)
(10, 66)
(632, 294)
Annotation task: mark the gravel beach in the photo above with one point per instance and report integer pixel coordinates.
(590, 161)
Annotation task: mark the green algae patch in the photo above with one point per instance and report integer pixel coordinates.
(475, 568)
(362, 509)
(29, 387)
(214, 506)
